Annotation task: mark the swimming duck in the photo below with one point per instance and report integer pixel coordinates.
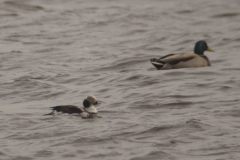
(184, 60)
(87, 112)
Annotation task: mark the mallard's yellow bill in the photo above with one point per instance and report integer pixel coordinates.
(209, 49)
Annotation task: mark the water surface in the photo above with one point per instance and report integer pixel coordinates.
(58, 52)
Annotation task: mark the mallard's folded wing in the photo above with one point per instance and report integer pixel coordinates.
(176, 58)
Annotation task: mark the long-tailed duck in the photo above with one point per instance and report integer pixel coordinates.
(87, 112)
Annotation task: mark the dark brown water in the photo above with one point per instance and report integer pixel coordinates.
(57, 52)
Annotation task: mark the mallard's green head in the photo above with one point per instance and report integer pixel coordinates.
(200, 47)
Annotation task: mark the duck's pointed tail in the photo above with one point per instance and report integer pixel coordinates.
(51, 113)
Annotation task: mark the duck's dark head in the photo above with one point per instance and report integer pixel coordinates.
(90, 100)
(200, 47)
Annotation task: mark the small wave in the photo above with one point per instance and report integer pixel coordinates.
(9, 15)
(1, 154)
(112, 154)
(206, 73)
(178, 96)
(175, 73)
(155, 49)
(225, 15)
(21, 158)
(124, 63)
(95, 140)
(153, 155)
(230, 69)
(186, 11)
(23, 6)
(43, 153)
(197, 124)
(159, 129)
(136, 31)
(181, 104)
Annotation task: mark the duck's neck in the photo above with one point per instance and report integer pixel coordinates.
(198, 50)
(91, 109)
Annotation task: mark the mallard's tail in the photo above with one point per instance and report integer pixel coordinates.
(156, 63)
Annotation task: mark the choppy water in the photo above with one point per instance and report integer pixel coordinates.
(57, 52)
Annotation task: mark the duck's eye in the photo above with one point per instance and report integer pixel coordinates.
(90, 99)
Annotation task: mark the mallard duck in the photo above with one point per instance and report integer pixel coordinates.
(184, 60)
(88, 111)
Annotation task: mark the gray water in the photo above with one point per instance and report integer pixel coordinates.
(56, 52)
